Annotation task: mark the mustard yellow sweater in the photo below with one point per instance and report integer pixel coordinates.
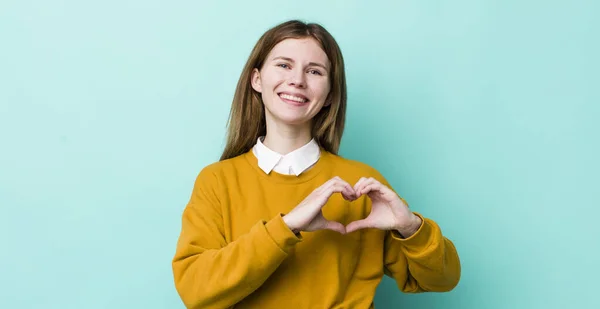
(235, 251)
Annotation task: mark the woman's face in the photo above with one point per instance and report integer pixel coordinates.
(294, 81)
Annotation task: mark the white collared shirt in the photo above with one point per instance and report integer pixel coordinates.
(293, 163)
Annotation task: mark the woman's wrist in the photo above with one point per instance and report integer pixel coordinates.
(411, 229)
(287, 222)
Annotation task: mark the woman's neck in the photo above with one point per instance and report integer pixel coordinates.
(284, 140)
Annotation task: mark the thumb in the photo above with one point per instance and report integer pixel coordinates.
(357, 225)
(335, 226)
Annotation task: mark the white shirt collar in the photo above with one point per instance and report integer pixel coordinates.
(293, 163)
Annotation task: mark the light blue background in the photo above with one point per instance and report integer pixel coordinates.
(483, 114)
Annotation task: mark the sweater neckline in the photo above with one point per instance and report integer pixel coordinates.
(289, 179)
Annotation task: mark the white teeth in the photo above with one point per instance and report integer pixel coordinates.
(293, 98)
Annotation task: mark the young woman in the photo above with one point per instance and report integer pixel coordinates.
(282, 221)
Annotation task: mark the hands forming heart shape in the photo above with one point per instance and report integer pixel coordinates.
(388, 210)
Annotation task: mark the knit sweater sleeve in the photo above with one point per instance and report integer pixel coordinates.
(209, 271)
(427, 261)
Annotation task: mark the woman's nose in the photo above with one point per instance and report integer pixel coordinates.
(297, 79)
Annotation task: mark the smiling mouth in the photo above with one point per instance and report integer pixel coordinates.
(293, 98)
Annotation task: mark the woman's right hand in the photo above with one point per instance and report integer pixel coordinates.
(307, 216)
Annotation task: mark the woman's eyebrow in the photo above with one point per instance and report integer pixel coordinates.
(292, 61)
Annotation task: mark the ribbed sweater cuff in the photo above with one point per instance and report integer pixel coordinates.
(281, 233)
(421, 239)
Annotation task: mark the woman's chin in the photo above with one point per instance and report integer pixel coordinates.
(288, 116)
(292, 119)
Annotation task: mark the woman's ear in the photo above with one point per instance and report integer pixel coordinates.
(255, 80)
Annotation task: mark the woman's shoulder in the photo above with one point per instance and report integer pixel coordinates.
(215, 170)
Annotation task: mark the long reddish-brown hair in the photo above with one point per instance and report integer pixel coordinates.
(247, 116)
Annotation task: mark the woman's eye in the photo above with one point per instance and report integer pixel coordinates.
(315, 72)
(283, 65)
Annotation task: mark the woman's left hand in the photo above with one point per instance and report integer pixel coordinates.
(388, 210)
